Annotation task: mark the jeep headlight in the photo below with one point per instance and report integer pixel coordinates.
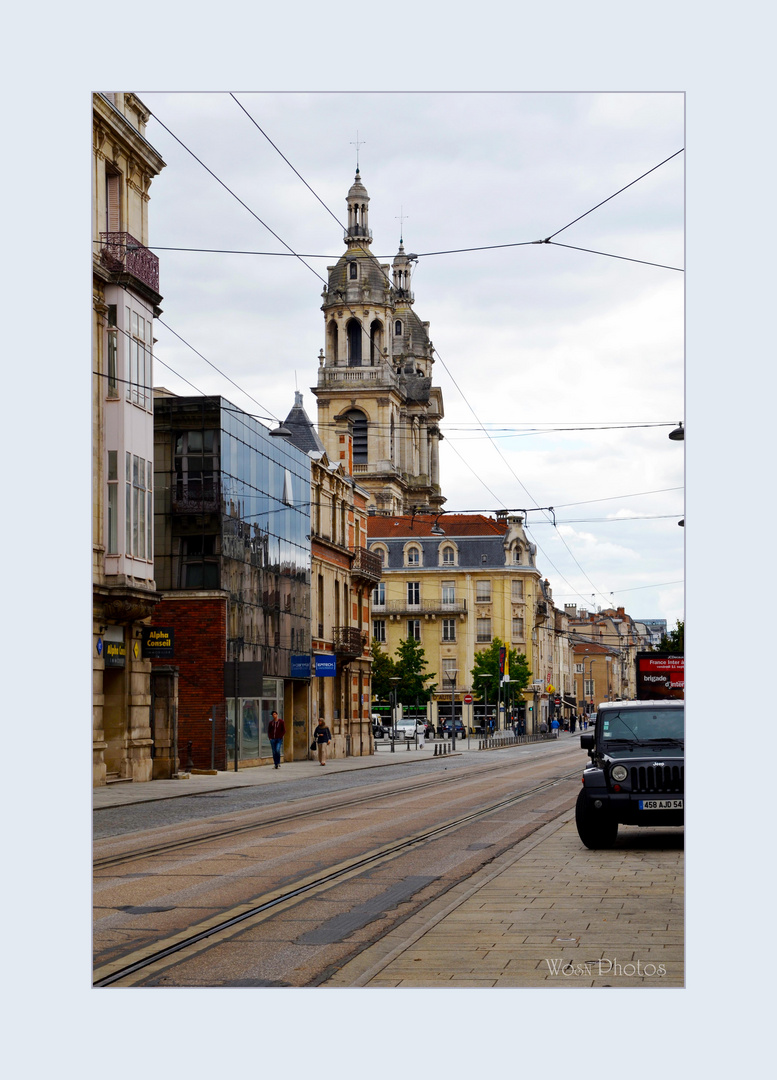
(620, 772)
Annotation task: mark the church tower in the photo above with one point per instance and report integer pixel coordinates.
(375, 373)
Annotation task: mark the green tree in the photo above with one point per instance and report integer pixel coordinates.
(485, 673)
(410, 666)
(674, 641)
(383, 668)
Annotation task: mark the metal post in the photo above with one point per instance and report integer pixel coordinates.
(452, 676)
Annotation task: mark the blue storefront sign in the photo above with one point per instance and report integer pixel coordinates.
(326, 664)
(300, 666)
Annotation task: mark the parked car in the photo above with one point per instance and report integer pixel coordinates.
(637, 771)
(407, 728)
(378, 730)
(461, 731)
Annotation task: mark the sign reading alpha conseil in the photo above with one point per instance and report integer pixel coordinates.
(158, 642)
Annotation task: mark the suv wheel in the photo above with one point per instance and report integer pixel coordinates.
(594, 828)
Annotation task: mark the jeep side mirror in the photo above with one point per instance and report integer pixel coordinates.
(587, 742)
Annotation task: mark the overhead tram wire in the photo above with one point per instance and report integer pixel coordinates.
(539, 546)
(420, 255)
(302, 178)
(222, 373)
(450, 375)
(453, 380)
(426, 254)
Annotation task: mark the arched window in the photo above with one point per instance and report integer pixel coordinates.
(333, 341)
(354, 332)
(398, 328)
(359, 436)
(448, 555)
(516, 554)
(353, 271)
(376, 341)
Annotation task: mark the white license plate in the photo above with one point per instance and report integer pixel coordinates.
(660, 804)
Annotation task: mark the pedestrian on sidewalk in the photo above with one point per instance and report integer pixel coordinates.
(322, 736)
(276, 729)
(554, 727)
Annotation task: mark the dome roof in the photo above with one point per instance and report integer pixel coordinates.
(370, 274)
(357, 189)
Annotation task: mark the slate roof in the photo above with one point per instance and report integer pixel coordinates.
(303, 434)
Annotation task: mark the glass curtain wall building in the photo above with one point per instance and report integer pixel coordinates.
(232, 559)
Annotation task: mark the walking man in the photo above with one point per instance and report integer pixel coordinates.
(276, 729)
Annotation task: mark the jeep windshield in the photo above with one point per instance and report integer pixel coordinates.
(643, 726)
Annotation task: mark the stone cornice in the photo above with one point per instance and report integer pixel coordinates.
(109, 121)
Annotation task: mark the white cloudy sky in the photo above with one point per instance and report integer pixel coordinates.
(526, 337)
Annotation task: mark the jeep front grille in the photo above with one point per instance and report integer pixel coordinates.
(668, 778)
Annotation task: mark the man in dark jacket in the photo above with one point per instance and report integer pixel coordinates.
(276, 729)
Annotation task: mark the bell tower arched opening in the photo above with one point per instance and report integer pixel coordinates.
(354, 333)
(376, 342)
(332, 341)
(359, 421)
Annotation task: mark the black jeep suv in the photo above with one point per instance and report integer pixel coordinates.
(637, 770)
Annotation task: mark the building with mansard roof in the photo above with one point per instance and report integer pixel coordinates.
(375, 395)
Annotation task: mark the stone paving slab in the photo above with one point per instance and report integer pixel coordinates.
(549, 913)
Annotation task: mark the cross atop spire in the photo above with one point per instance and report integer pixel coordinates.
(357, 144)
(402, 218)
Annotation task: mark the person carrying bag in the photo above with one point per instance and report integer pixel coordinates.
(322, 736)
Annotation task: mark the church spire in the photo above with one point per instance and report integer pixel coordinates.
(357, 200)
(401, 267)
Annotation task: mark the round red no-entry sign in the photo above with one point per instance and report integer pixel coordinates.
(468, 699)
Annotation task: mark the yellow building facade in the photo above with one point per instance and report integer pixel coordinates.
(454, 582)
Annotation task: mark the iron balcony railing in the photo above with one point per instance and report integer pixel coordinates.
(348, 641)
(122, 253)
(366, 564)
(424, 607)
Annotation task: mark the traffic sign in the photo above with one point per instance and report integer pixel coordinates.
(468, 699)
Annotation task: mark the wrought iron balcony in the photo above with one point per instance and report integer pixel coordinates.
(348, 641)
(425, 607)
(366, 565)
(123, 254)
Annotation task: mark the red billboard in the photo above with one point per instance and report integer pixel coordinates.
(660, 675)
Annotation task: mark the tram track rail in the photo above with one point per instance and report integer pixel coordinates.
(197, 937)
(120, 859)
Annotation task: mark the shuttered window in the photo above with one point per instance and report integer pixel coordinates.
(112, 203)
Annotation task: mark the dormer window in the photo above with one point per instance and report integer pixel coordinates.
(398, 328)
(412, 555)
(353, 271)
(448, 556)
(516, 554)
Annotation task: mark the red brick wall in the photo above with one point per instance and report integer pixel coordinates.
(200, 626)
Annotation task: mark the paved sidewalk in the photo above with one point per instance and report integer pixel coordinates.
(127, 793)
(548, 913)
(124, 794)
